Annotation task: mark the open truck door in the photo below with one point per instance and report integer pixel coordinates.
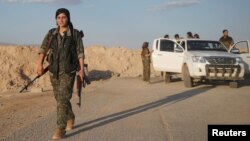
(242, 48)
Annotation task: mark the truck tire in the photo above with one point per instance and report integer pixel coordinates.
(233, 84)
(188, 81)
(167, 77)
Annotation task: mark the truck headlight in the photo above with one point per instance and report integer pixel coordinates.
(199, 59)
(238, 60)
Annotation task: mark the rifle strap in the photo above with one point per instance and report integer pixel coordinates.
(51, 35)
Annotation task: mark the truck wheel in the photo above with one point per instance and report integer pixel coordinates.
(167, 78)
(233, 84)
(188, 81)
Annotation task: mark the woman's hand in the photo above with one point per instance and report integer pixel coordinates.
(40, 69)
(81, 73)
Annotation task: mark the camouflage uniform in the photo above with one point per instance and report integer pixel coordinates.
(63, 83)
(227, 41)
(146, 64)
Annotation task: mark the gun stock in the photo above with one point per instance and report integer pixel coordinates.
(87, 80)
(80, 84)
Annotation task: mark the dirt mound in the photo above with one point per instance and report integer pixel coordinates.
(18, 65)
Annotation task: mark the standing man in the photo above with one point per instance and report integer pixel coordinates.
(226, 40)
(190, 35)
(177, 38)
(166, 36)
(145, 55)
(196, 36)
(65, 57)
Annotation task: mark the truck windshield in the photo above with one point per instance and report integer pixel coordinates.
(205, 46)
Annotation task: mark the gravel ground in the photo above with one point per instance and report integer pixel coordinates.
(127, 109)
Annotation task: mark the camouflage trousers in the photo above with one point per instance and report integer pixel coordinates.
(63, 89)
(146, 72)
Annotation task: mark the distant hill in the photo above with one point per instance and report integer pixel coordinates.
(5, 44)
(11, 44)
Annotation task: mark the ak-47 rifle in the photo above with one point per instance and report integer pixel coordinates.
(82, 83)
(38, 76)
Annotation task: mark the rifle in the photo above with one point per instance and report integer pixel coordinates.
(38, 76)
(80, 83)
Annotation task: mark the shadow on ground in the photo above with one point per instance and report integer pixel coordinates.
(246, 81)
(24, 76)
(96, 75)
(173, 80)
(137, 110)
(242, 83)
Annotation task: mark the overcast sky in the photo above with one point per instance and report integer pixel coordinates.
(125, 23)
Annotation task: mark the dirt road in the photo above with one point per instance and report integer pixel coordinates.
(130, 110)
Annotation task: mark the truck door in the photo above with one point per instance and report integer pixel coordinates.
(179, 52)
(165, 58)
(242, 48)
(156, 56)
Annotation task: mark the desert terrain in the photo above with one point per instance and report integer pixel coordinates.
(118, 105)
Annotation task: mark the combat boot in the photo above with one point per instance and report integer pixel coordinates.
(70, 124)
(59, 134)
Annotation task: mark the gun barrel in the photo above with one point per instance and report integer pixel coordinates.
(26, 86)
(81, 83)
(38, 76)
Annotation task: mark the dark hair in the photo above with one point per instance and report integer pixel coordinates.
(190, 34)
(176, 36)
(196, 36)
(166, 36)
(66, 12)
(145, 44)
(225, 30)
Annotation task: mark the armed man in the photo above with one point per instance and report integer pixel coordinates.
(65, 51)
(146, 56)
(226, 40)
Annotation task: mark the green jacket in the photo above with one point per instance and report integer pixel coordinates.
(227, 41)
(144, 55)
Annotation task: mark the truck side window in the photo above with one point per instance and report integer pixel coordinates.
(242, 47)
(167, 46)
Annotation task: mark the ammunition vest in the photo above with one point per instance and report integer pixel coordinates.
(66, 55)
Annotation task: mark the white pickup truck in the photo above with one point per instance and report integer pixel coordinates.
(200, 60)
